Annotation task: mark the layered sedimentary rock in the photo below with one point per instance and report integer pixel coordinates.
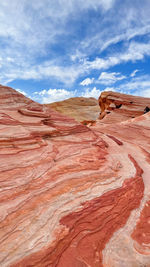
(119, 107)
(79, 108)
(72, 195)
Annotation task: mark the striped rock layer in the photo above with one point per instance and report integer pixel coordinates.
(117, 107)
(72, 195)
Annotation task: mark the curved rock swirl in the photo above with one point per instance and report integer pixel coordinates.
(67, 190)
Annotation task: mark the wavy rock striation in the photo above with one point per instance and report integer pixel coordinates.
(72, 195)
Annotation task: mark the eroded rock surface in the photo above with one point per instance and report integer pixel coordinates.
(72, 195)
(116, 107)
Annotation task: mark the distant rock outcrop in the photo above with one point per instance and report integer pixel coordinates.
(79, 108)
(129, 106)
(73, 195)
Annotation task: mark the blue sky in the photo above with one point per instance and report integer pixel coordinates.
(55, 49)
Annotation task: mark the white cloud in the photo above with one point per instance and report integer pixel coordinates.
(22, 92)
(78, 56)
(110, 77)
(39, 20)
(123, 24)
(47, 70)
(53, 95)
(39, 27)
(92, 92)
(139, 86)
(144, 93)
(40, 93)
(128, 35)
(133, 73)
(69, 74)
(87, 81)
(136, 51)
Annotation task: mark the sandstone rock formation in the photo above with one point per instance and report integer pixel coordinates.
(72, 195)
(79, 108)
(119, 107)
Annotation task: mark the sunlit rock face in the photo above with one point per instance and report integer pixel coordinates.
(72, 195)
(119, 107)
(80, 108)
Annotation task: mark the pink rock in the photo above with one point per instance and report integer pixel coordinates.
(73, 195)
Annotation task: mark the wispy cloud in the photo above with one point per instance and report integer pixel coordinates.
(128, 35)
(69, 74)
(108, 78)
(139, 86)
(135, 51)
(46, 70)
(123, 23)
(87, 81)
(65, 41)
(134, 73)
(41, 20)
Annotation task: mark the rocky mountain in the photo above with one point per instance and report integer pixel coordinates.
(73, 195)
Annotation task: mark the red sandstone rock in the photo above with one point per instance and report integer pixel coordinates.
(116, 107)
(141, 233)
(72, 195)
